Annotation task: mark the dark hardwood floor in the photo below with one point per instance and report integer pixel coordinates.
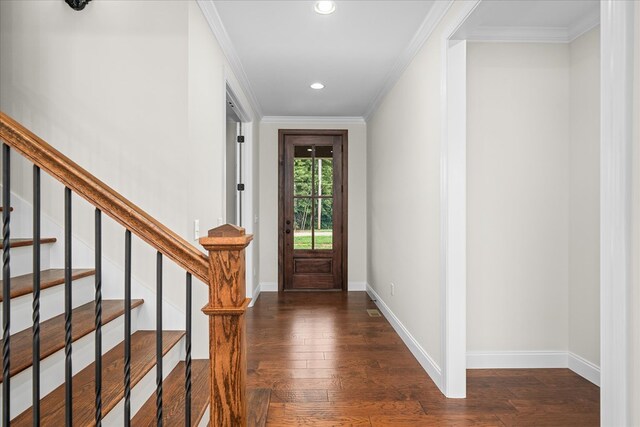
(329, 363)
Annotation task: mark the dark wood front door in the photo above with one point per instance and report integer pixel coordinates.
(313, 211)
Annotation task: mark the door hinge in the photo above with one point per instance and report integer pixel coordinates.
(240, 139)
(240, 187)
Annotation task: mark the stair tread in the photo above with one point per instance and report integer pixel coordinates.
(17, 243)
(173, 397)
(52, 332)
(23, 285)
(143, 359)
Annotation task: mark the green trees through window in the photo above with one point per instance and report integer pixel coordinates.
(313, 204)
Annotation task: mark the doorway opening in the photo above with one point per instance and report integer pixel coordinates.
(234, 184)
(312, 210)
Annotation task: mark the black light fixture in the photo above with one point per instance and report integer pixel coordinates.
(77, 4)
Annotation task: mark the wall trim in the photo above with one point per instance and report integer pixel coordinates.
(587, 24)
(516, 359)
(431, 21)
(255, 294)
(425, 360)
(584, 368)
(313, 119)
(534, 360)
(616, 148)
(453, 244)
(535, 34)
(219, 31)
(530, 34)
(268, 286)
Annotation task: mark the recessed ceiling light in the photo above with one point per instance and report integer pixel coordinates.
(325, 7)
(317, 86)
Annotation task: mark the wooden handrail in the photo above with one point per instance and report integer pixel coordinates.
(104, 198)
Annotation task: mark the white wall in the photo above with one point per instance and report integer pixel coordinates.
(135, 93)
(533, 197)
(519, 181)
(584, 201)
(517, 196)
(357, 178)
(403, 204)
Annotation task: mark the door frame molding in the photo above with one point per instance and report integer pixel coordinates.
(247, 117)
(616, 210)
(344, 133)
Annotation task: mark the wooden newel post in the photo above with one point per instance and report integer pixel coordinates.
(226, 308)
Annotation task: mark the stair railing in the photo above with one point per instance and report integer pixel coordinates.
(223, 271)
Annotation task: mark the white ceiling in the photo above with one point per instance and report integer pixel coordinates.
(284, 46)
(530, 20)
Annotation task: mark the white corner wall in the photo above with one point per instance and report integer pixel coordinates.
(534, 204)
(584, 201)
(403, 203)
(518, 197)
(357, 202)
(133, 91)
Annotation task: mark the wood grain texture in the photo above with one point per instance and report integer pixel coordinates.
(228, 370)
(173, 397)
(23, 285)
(329, 364)
(288, 277)
(52, 332)
(226, 309)
(143, 359)
(20, 243)
(258, 400)
(103, 197)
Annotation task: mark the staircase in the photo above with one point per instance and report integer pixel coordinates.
(52, 343)
(92, 365)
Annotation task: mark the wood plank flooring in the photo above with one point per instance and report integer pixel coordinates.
(329, 363)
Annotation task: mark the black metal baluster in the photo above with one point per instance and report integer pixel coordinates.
(98, 302)
(36, 298)
(187, 378)
(6, 284)
(159, 339)
(68, 307)
(127, 328)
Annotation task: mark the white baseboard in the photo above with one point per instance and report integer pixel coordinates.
(255, 294)
(268, 287)
(425, 360)
(516, 359)
(534, 360)
(357, 286)
(584, 368)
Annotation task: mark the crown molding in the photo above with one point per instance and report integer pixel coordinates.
(217, 27)
(585, 25)
(519, 34)
(536, 34)
(433, 18)
(313, 119)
